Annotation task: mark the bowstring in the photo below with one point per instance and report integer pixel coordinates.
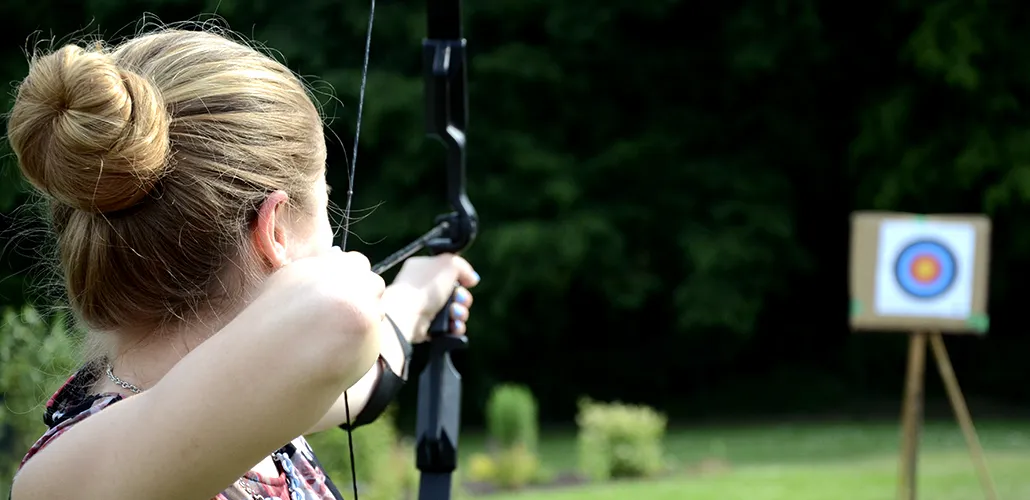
(346, 219)
(357, 130)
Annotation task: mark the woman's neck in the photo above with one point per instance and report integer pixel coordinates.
(142, 363)
(142, 358)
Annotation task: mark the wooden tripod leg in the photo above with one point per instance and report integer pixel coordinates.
(965, 420)
(912, 415)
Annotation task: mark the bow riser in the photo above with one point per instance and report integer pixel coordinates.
(446, 101)
(439, 391)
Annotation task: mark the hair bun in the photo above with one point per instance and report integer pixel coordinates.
(88, 133)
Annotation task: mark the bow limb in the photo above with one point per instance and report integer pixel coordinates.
(439, 388)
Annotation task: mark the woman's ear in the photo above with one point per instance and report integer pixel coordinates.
(269, 232)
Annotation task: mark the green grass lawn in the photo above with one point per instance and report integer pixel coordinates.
(847, 461)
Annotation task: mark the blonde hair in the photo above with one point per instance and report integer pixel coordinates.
(154, 156)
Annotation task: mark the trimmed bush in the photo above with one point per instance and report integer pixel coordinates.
(517, 466)
(511, 468)
(511, 417)
(481, 468)
(618, 440)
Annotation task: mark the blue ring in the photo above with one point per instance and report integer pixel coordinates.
(945, 279)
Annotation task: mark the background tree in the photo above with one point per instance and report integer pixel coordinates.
(664, 185)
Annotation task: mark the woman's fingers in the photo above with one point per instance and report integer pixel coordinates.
(459, 315)
(459, 312)
(458, 327)
(463, 296)
(466, 275)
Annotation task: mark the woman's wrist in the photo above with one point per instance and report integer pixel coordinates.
(404, 304)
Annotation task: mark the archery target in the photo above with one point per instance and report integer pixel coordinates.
(925, 269)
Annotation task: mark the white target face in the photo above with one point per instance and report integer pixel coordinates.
(925, 269)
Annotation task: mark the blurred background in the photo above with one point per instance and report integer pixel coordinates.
(664, 190)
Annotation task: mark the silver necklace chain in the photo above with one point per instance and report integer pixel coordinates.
(121, 383)
(135, 389)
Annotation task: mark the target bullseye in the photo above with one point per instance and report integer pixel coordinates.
(925, 269)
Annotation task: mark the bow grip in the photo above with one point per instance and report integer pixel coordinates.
(441, 324)
(458, 235)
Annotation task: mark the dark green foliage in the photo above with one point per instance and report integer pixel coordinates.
(36, 356)
(664, 185)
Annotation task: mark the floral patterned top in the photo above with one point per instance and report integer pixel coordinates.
(301, 477)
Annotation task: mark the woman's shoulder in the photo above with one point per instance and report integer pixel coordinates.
(71, 404)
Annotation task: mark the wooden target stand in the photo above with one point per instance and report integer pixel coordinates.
(925, 274)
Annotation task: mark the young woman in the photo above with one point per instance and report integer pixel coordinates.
(185, 175)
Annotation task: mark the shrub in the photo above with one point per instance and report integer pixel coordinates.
(375, 454)
(481, 468)
(35, 359)
(511, 468)
(517, 466)
(403, 465)
(511, 417)
(619, 440)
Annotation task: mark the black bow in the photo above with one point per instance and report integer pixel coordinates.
(446, 108)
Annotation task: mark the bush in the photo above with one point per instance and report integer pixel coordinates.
(511, 468)
(403, 465)
(377, 453)
(481, 468)
(517, 466)
(511, 417)
(35, 359)
(619, 440)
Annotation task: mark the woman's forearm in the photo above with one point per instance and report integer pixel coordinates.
(205, 402)
(356, 399)
(402, 304)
